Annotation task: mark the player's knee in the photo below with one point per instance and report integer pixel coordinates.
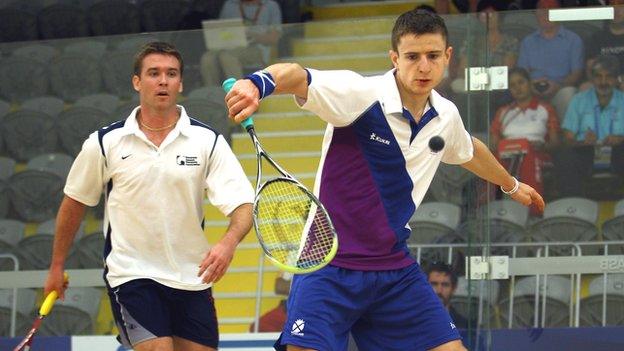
(451, 346)
(297, 348)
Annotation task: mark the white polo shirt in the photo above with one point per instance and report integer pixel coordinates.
(154, 197)
(376, 165)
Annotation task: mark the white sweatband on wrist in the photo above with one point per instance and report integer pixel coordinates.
(514, 189)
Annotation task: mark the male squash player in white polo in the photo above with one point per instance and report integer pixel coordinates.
(155, 168)
(375, 169)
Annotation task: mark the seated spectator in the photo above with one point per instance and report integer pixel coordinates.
(263, 19)
(501, 48)
(273, 320)
(530, 119)
(444, 283)
(593, 127)
(553, 56)
(609, 41)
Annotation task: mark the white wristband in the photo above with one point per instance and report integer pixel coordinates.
(514, 189)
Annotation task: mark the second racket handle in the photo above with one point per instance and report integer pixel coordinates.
(227, 86)
(50, 299)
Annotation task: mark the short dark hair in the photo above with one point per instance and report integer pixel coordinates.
(156, 47)
(519, 71)
(417, 22)
(606, 62)
(442, 268)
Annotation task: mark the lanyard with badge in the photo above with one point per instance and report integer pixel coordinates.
(602, 153)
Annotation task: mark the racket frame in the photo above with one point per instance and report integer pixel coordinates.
(260, 154)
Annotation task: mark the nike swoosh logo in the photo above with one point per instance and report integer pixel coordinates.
(125, 157)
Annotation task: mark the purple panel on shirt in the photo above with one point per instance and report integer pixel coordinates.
(366, 240)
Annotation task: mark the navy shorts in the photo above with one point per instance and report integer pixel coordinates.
(384, 310)
(144, 310)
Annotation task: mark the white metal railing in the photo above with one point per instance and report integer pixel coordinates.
(92, 277)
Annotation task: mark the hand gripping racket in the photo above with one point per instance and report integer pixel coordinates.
(46, 307)
(291, 224)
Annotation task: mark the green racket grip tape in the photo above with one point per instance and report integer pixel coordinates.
(227, 86)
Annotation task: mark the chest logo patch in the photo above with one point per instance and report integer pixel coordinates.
(187, 160)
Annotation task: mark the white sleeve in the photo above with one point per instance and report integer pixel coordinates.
(338, 97)
(459, 148)
(227, 185)
(86, 178)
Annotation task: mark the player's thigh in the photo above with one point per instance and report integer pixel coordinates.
(406, 315)
(180, 344)
(141, 311)
(157, 344)
(297, 348)
(322, 306)
(194, 318)
(455, 345)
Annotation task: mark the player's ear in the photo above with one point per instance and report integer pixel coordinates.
(181, 88)
(135, 82)
(448, 53)
(394, 57)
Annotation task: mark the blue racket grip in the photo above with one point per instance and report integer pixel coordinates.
(227, 86)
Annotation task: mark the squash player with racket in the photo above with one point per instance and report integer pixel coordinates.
(375, 168)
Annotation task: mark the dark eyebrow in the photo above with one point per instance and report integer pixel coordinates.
(428, 52)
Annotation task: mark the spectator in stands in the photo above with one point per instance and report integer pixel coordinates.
(609, 41)
(273, 320)
(263, 19)
(527, 118)
(500, 49)
(594, 118)
(444, 283)
(159, 267)
(553, 56)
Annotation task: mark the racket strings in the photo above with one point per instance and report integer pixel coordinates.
(294, 230)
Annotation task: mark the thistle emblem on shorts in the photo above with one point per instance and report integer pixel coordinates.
(297, 327)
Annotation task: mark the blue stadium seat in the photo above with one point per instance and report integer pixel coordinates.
(433, 220)
(62, 21)
(17, 25)
(56, 163)
(110, 17)
(76, 315)
(613, 229)
(163, 15)
(75, 124)
(75, 75)
(36, 195)
(592, 305)
(28, 133)
(23, 78)
(50, 105)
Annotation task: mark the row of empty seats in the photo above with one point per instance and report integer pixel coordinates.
(30, 20)
(506, 221)
(39, 70)
(76, 315)
(33, 252)
(554, 298)
(45, 125)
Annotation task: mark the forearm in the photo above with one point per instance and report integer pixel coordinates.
(68, 219)
(240, 224)
(290, 78)
(485, 166)
(572, 78)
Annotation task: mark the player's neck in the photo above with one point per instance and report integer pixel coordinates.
(415, 104)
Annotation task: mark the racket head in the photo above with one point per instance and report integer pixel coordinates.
(292, 226)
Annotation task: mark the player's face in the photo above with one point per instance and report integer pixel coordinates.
(442, 286)
(160, 81)
(420, 62)
(520, 87)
